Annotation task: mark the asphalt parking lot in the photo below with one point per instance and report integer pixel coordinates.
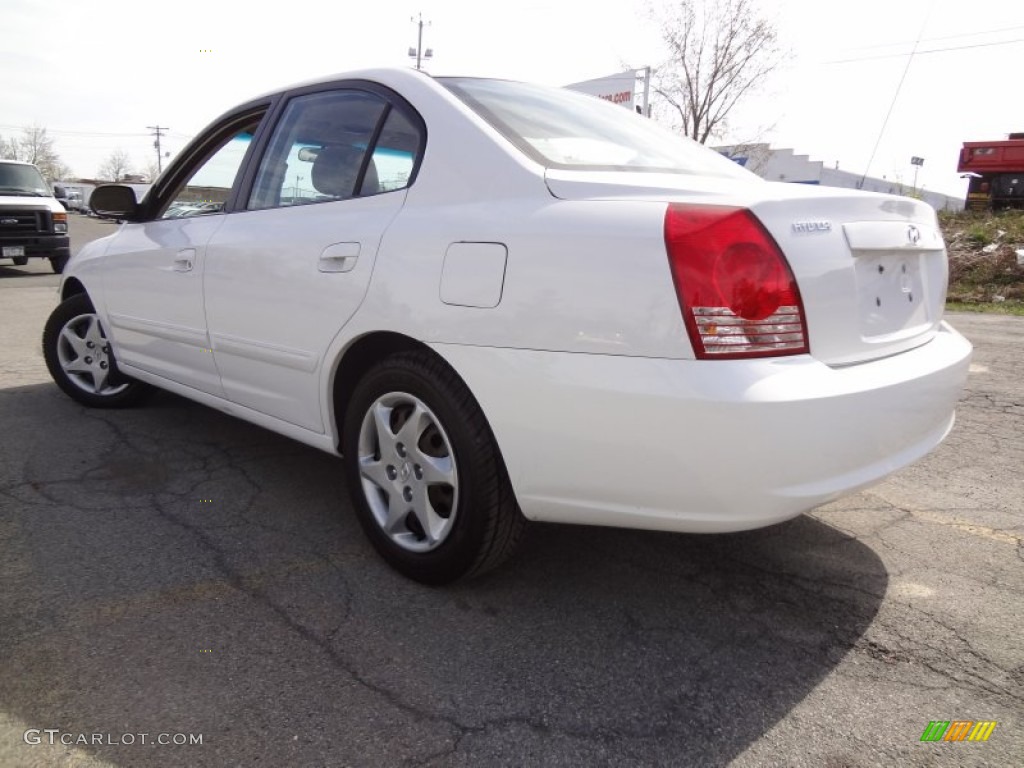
(168, 570)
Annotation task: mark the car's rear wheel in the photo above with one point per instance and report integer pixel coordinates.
(426, 478)
(80, 359)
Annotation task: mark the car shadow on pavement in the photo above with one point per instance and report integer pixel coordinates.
(171, 570)
(6, 270)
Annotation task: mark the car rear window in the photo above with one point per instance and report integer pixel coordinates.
(568, 130)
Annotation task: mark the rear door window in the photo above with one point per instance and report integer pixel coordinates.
(336, 145)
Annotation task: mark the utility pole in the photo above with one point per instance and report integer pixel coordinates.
(917, 162)
(158, 132)
(418, 53)
(647, 92)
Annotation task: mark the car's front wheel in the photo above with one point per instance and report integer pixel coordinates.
(426, 478)
(80, 359)
(57, 263)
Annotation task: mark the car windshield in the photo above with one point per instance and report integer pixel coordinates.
(18, 179)
(563, 129)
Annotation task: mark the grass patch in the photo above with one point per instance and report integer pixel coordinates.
(984, 227)
(978, 234)
(988, 307)
(986, 259)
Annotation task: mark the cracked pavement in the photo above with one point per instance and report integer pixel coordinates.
(171, 569)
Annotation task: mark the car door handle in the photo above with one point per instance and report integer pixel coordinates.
(184, 260)
(339, 257)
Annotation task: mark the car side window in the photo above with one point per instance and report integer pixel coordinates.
(395, 154)
(207, 189)
(318, 151)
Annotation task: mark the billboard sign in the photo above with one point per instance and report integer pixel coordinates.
(618, 89)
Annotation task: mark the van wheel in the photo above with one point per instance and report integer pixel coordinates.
(20, 261)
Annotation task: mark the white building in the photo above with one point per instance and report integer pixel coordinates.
(784, 165)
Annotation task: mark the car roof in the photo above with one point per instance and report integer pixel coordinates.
(392, 76)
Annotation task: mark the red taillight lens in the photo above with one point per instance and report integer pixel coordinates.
(735, 288)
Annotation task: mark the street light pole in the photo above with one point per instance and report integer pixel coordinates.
(419, 53)
(917, 162)
(419, 43)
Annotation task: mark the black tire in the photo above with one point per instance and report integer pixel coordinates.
(77, 316)
(483, 524)
(57, 263)
(20, 261)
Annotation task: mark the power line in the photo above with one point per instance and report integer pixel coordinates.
(922, 53)
(933, 39)
(59, 132)
(896, 95)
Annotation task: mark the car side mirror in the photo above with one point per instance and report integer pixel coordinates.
(114, 201)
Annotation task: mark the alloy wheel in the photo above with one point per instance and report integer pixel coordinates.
(408, 472)
(84, 355)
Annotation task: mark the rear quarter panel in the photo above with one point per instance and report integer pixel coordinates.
(579, 277)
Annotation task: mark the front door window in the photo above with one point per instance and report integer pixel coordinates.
(206, 190)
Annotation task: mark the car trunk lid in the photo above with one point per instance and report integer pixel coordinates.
(871, 268)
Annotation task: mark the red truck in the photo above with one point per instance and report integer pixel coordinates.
(996, 171)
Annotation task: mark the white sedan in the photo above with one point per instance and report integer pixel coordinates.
(500, 302)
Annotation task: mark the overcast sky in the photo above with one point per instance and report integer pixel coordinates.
(97, 72)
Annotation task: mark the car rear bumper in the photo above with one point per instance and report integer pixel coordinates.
(706, 446)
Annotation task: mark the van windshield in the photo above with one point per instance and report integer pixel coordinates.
(568, 130)
(19, 179)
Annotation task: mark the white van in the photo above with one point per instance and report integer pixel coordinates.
(32, 221)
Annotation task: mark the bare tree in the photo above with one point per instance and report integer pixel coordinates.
(8, 150)
(151, 171)
(36, 147)
(116, 166)
(719, 51)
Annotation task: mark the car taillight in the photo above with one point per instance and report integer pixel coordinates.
(735, 288)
